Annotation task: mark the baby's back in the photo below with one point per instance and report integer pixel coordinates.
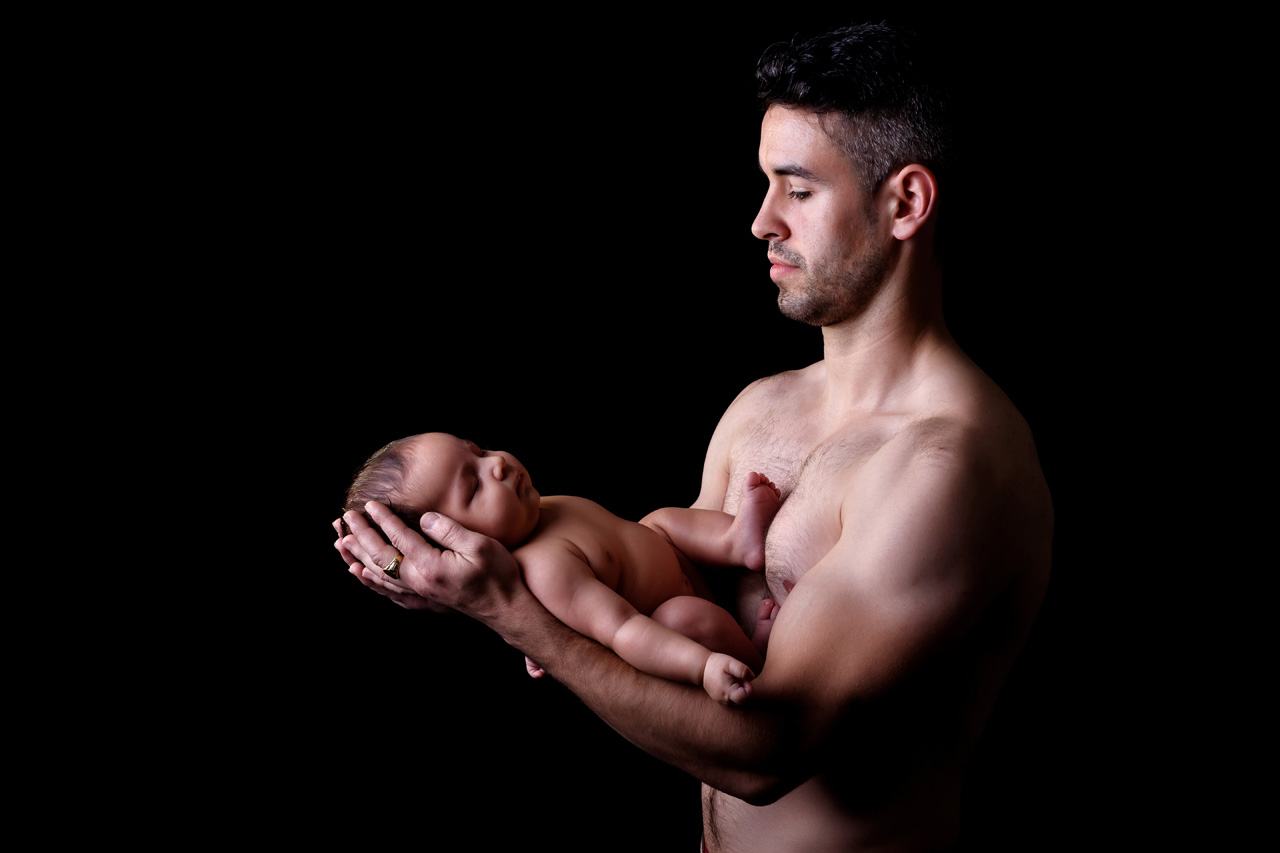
(633, 560)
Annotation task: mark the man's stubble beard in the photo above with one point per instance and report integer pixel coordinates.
(829, 294)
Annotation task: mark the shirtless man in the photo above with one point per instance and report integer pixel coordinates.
(911, 550)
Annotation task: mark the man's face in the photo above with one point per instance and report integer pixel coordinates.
(828, 254)
(487, 491)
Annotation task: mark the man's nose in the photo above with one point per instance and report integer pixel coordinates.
(768, 225)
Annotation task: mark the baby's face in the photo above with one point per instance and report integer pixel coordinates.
(487, 491)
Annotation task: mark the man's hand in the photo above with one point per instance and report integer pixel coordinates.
(727, 679)
(474, 574)
(364, 566)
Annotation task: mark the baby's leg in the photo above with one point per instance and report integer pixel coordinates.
(713, 538)
(764, 625)
(710, 625)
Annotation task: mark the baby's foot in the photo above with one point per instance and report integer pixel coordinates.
(765, 618)
(759, 504)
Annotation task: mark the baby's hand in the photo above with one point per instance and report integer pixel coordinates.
(727, 680)
(535, 671)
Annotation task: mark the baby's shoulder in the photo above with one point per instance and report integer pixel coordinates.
(566, 523)
(569, 525)
(568, 515)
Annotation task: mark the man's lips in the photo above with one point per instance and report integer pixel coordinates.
(780, 267)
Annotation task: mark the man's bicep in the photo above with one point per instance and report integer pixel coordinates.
(717, 462)
(715, 472)
(714, 487)
(896, 587)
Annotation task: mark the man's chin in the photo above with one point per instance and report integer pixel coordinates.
(793, 311)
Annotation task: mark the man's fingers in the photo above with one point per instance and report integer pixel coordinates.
(474, 574)
(402, 596)
(451, 535)
(367, 544)
(445, 532)
(422, 562)
(347, 557)
(378, 580)
(401, 536)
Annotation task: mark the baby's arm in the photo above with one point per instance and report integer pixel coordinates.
(726, 680)
(562, 580)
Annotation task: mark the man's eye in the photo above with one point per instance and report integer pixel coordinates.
(800, 195)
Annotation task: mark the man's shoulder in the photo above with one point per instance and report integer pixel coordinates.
(963, 414)
(942, 477)
(976, 435)
(982, 457)
(777, 389)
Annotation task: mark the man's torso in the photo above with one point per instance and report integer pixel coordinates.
(831, 469)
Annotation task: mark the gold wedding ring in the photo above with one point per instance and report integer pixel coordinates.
(392, 569)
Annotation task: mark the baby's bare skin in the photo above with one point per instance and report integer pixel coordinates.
(759, 504)
(630, 586)
(602, 575)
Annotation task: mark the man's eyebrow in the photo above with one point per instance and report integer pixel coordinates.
(788, 169)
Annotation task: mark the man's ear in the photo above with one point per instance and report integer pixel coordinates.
(914, 191)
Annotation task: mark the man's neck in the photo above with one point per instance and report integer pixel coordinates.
(875, 360)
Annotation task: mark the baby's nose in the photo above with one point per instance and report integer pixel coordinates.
(500, 468)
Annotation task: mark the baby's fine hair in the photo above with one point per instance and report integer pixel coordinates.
(382, 478)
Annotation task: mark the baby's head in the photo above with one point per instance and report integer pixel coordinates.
(486, 491)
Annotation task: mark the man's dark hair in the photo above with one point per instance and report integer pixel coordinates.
(876, 90)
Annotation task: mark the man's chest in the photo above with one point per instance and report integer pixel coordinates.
(817, 473)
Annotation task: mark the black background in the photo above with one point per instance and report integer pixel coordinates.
(534, 231)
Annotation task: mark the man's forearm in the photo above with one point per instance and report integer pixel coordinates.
(731, 749)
